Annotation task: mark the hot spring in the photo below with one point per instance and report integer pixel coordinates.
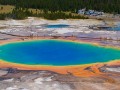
(57, 26)
(114, 28)
(56, 52)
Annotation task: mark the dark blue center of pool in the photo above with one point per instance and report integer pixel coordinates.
(57, 26)
(55, 52)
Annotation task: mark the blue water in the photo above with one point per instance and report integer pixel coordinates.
(57, 26)
(114, 28)
(54, 52)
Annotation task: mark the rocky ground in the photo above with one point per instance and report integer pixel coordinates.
(14, 79)
(78, 28)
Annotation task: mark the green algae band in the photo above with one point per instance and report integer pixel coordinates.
(56, 52)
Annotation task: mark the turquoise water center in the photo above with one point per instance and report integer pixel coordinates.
(57, 26)
(56, 52)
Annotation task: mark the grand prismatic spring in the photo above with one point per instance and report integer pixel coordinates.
(56, 53)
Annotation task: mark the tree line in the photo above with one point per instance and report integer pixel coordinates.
(22, 13)
(66, 5)
(53, 9)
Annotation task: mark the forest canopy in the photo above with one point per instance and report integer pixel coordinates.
(67, 5)
(55, 9)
